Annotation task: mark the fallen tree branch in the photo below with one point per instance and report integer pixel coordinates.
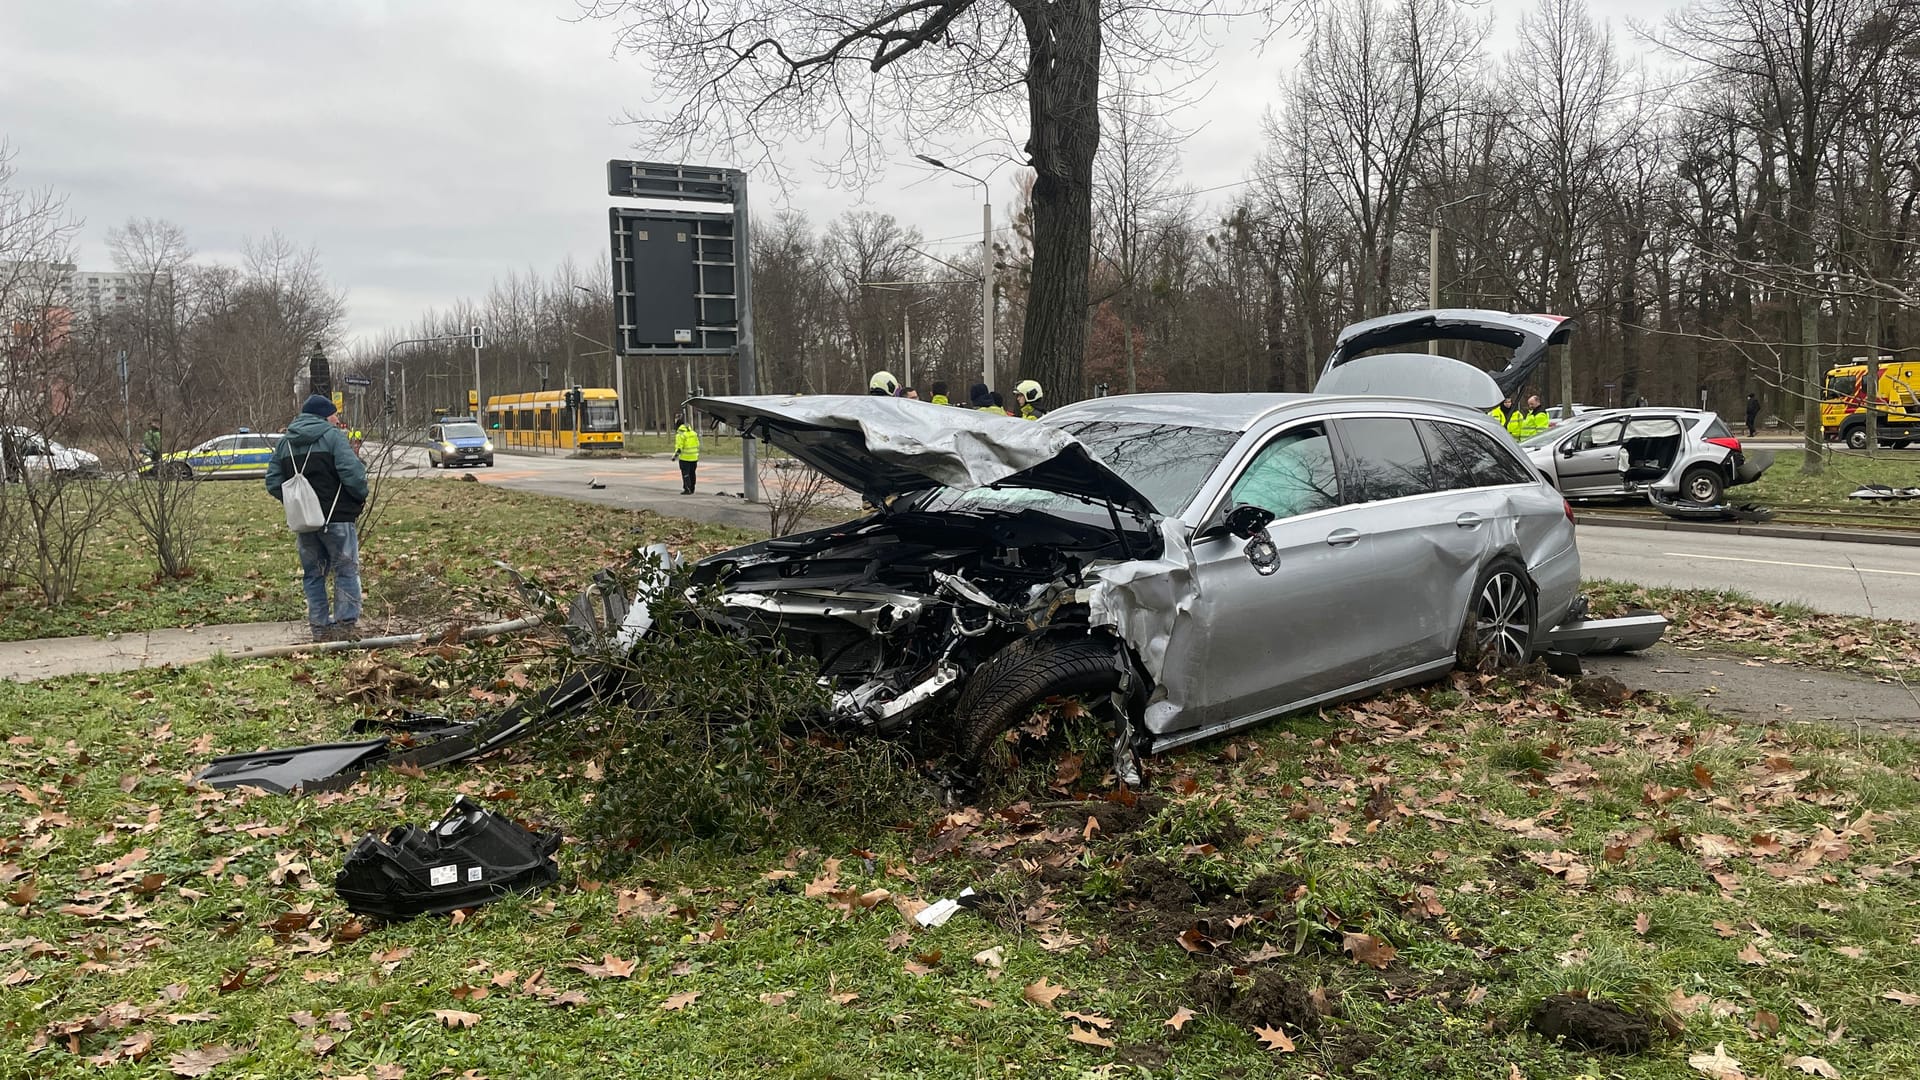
(471, 633)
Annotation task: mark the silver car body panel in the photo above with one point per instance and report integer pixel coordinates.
(1402, 375)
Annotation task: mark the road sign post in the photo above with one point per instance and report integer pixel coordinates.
(682, 278)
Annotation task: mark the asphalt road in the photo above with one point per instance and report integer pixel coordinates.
(1849, 579)
(633, 483)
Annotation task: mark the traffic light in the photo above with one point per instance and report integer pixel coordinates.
(389, 404)
(479, 337)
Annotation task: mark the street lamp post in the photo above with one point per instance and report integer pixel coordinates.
(1433, 259)
(986, 266)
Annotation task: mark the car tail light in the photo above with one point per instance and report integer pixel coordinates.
(1729, 442)
(1568, 506)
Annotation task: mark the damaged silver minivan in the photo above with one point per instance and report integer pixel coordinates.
(1199, 562)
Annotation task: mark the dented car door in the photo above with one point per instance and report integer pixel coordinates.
(1279, 625)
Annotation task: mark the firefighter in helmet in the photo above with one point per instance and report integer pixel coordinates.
(883, 384)
(1029, 393)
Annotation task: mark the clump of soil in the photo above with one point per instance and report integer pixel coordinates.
(1119, 818)
(1591, 1025)
(1601, 691)
(1271, 1000)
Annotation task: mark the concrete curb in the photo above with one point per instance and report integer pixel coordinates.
(1778, 532)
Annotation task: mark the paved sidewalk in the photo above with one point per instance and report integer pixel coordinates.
(46, 658)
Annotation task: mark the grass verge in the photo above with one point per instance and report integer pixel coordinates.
(1736, 623)
(431, 556)
(1393, 889)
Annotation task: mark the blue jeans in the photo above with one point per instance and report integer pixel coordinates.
(335, 550)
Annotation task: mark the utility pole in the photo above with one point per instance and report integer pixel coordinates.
(1433, 259)
(479, 402)
(986, 266)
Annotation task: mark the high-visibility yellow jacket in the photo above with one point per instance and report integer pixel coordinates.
(941, 399)
(686, 444)
(1028, 412)
(1533, 423)
(1512, 421)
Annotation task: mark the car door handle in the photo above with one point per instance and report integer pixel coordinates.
(1343, 538)
(1468, 520)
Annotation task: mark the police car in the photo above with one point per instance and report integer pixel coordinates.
(243, 454)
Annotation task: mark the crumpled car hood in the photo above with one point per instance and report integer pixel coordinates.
(1529, 336)
(886, 446)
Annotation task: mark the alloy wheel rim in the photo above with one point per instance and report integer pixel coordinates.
(1501, 625)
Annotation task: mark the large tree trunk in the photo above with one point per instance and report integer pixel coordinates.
(1063, 104)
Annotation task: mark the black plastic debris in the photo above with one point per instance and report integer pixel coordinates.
(1883, 493)
(281, 771)
(469, 857)
(1747, 513)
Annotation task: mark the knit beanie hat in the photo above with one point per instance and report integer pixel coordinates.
(317, 406)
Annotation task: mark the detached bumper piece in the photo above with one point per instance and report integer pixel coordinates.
(1883, 493)
(469, 857)
(1750, 513)
(1595, 637)
(335, 766)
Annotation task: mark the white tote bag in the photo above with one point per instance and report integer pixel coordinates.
(303, 506)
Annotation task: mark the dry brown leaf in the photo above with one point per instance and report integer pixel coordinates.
(992, 958)
(202, 1061)
(1717, 1065)
(1089, 1019)
(680, 1001)
(776, 999)
(1339, 837)
(454, 1018)
(610, 967)
(1274, 1039)
(1751, 955)
(1369, 950)
(1042, 993)
(1642, 923)
(1813, 1066)
(1901, 997)
(1088, 1037)
(1179, 1018)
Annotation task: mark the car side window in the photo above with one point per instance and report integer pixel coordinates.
(1604, 434)
(1384, 459)
(1465, 457)
(1292, 474)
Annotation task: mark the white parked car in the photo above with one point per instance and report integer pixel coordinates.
(23, 450)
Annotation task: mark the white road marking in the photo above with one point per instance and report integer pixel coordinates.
(1803, 565)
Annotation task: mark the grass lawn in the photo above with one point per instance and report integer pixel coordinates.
(428, 554)
(1388, 890)
(1736, 623)
(1784, 486)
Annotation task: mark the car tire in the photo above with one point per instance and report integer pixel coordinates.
(1900, 444)
(1856, 437)
(1702, 485)
(1003, 691)
(1498, 629)
(489, 463)
(179, 472)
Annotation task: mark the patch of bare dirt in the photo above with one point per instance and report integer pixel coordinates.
(1591, 1025)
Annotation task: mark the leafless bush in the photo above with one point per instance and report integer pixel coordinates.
(61, 515)
(164, 503)
(792, 489)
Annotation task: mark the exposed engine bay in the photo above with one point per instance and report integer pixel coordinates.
(897, 609)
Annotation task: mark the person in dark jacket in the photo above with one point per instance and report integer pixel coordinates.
(316, 449)
(1753, 415)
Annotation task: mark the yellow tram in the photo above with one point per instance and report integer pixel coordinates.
(544, 420)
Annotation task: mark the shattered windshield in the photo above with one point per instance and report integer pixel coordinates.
(1164, 462)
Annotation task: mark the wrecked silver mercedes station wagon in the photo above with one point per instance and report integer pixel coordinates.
(1198, 562)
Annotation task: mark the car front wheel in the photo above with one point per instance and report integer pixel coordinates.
(1498, 629)
(1004, 691)
(1857, 438)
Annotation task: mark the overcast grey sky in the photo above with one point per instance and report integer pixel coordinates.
(425, 147)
